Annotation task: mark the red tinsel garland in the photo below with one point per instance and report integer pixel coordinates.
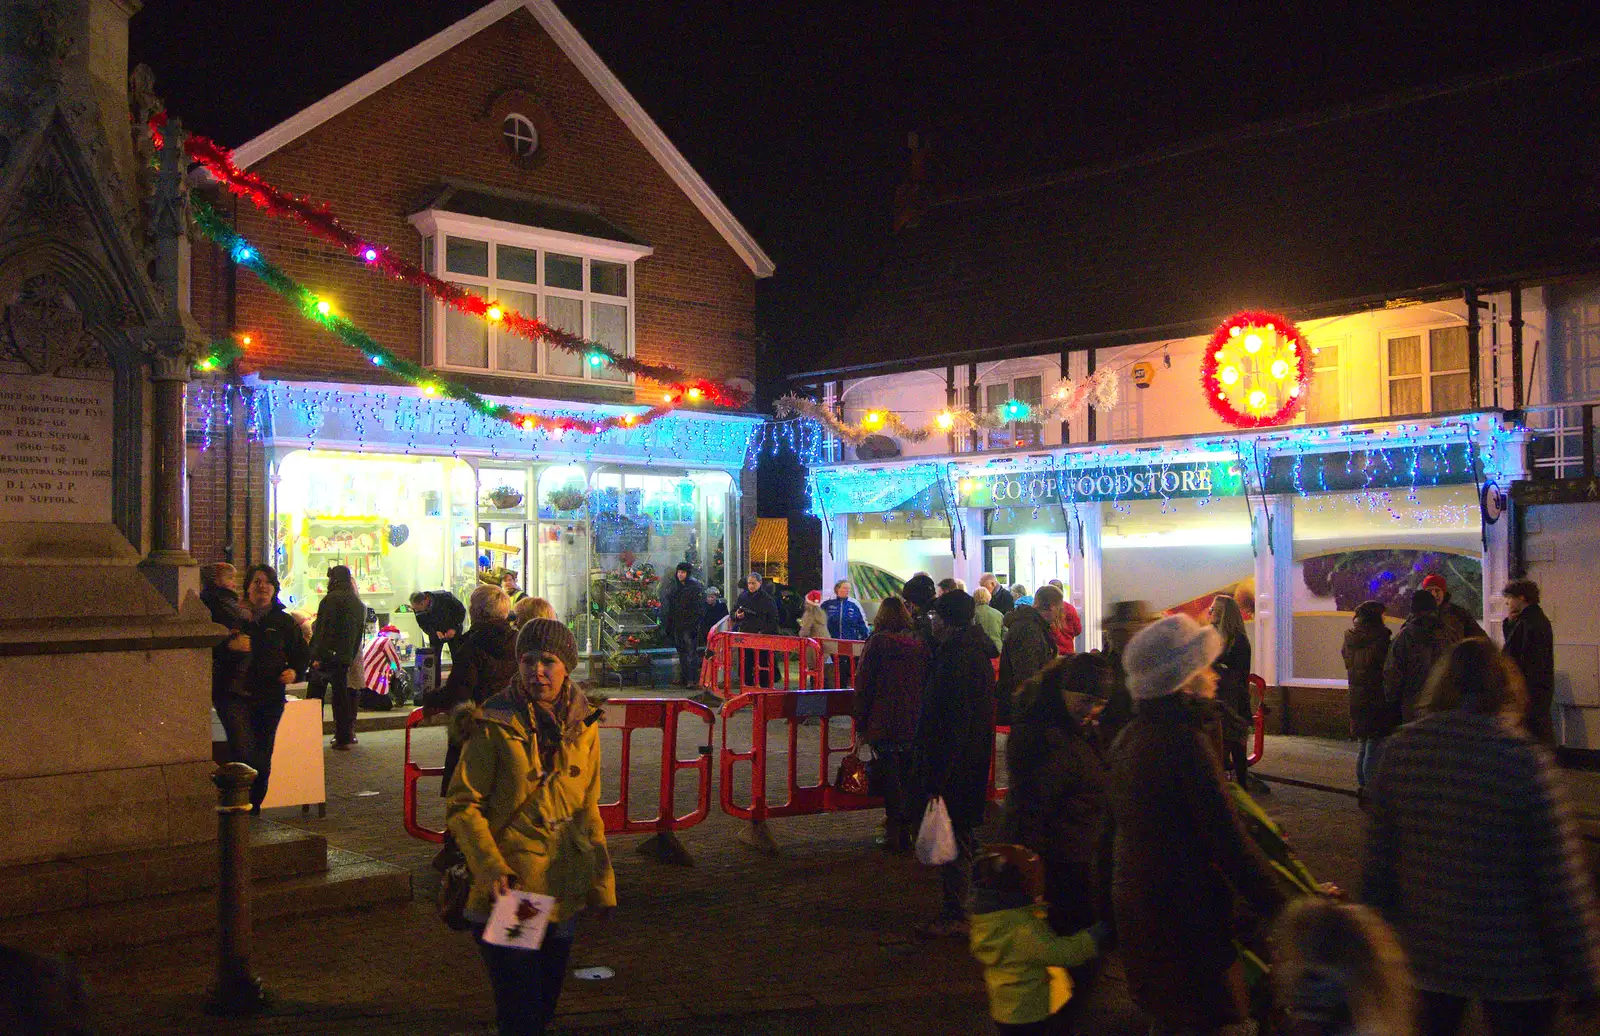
(1218, 396)
(320, 220)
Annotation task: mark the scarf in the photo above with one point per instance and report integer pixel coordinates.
(552, 721)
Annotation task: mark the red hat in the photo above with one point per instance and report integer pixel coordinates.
(1435, 581)
(815, 597)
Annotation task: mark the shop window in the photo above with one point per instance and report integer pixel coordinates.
(887, 548)
(1177, 554)
(1354, 547)
(399, 523)
(585, 296)
(1427, 371)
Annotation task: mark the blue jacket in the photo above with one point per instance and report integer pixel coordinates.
(845, 619)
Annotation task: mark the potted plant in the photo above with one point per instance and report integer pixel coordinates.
(566, 499)
(504, 497)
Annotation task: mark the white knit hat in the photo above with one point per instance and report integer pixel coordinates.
(1162, 656)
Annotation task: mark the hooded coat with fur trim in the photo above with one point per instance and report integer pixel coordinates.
(513, 814)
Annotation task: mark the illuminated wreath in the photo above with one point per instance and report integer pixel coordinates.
(1257, 370)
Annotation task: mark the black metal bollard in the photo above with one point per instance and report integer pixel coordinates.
(237, 991)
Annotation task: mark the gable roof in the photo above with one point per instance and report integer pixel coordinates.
(556, 25)
(1474, 183)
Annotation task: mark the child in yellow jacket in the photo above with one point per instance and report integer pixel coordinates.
(1024, 962)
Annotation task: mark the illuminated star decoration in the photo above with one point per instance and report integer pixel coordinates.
(1256, 372)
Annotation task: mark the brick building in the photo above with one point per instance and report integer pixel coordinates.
(504, 156)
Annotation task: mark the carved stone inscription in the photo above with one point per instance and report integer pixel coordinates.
(55, 449)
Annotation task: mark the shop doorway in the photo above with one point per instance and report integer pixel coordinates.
(1032, 560)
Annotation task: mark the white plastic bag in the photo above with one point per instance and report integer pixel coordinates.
(936, 839)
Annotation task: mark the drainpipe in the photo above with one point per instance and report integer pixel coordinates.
(950, 402)
(231, 295)
(1474, 333)
(972, 400)
(1066, 426)
(1516, 347)
(1089, 410)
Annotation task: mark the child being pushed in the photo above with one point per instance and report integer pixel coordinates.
(1024, 962)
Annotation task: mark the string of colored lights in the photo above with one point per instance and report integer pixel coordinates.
(320, 310)
(320, 221)
(1099, 390)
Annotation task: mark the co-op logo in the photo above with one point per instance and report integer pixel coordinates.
(1106, 484)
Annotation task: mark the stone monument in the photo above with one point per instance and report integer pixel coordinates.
(105, 741)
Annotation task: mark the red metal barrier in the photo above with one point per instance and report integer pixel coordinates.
(635, 714)
(658, 714)
(793, 707)
(1258, 697)
(413, 774)
(777, 664)
(839, 661)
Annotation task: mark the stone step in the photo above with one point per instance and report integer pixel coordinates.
(276, 851)
(349, 881)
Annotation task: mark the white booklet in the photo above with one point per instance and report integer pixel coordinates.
(519, 920)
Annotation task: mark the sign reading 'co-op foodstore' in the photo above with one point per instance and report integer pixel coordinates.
(1089, 485)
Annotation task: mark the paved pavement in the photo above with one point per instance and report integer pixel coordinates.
(816, 938)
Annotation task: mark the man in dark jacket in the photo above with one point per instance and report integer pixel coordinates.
(1456, 619)
(1420, 643)
(440, 615)
(955, 743)
(755, 612)
(335, 646)
(919, 593)
(1531, 644)
(1373, 716)
(1029, 646)
(681, 609)
(1000, 598)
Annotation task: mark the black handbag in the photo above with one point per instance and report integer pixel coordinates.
(455, 885)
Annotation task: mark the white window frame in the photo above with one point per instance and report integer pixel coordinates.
(435, 227)
(526, 131)
(981, 405)
(1341, 343)
(1427, 372)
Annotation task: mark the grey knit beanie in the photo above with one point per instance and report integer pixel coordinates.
(539, 635)
(1162, 657)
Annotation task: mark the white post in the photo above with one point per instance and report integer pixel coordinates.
(1087, 589)
(968, 554)
(1274, 648)
(835, 552)
(1507, 463)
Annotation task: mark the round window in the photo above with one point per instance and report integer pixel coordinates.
(521, 137)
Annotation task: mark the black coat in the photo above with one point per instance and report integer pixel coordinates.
(1178, 857)
(682, 608)
(445, 612)
(1233, 682)
(1029, 647)
(1531, 644)
(484, 659)
(276, 644)
(227, 665)
(1460, 622)
(713, 614)
(1421, 642)
(1366, 647)
(760, 613)
(1001, 600)
(955, 730)
(1056, 804)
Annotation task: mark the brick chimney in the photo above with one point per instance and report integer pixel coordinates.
(911, 197)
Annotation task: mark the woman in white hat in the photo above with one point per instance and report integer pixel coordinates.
(1180, 855)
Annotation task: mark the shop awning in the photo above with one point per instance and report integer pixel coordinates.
(876, 490)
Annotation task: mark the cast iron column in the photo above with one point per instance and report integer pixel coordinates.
(237, 991)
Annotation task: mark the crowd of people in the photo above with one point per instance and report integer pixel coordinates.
(1126, 823)
(1123, 827)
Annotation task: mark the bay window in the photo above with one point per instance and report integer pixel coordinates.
(580, 285)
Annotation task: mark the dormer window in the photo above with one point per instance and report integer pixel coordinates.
(579, 283)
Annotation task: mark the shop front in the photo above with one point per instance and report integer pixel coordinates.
(1298, 526)
(414, 494)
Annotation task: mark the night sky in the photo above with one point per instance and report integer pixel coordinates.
(796, 113)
